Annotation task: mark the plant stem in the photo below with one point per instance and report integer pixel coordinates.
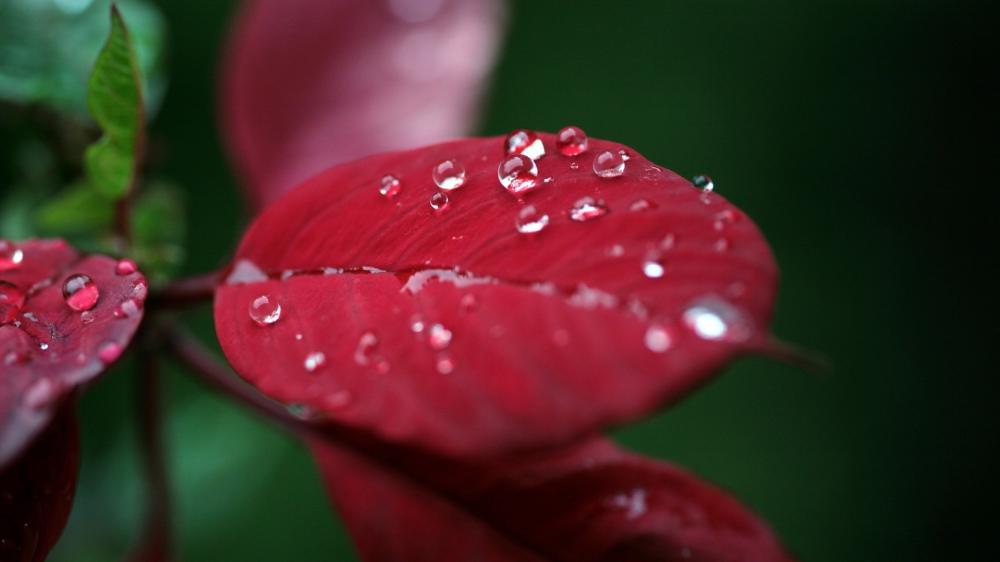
(187, 291)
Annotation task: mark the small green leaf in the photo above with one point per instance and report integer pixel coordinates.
(77, 210)
(158, 230)
(114, 97)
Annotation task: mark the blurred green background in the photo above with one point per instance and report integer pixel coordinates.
(849, 130)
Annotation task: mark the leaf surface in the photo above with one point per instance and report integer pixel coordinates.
(308, 83)
(457, 332)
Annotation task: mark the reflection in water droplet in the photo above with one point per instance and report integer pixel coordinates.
(530, 220)
(657, 338)
(11, 301)
(703, 183)
(571, 141)
(439, 202)
(518, 174)
(449, 175)
(390, 186)
(314, 361)
(265, 310)
(609, 164)
(80, 292)
(10, 255)
(713, 318)
(523, 141)
(586, 209)
(652, 268)
(438, 336)
(43, 346)
(109, 352)
(126, 267)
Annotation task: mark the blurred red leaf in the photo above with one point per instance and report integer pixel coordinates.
(588, 502)
(36, 491)
(47, 348)
(454, 331)
(308, 83)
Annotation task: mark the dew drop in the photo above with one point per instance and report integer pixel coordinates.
(449, 175)
(109, 352)
(80, 292)
(44, 346)
(574, 165)
(586, 209)
(704, 183)
(438, 337)
(469, 303)
(265, 310)
(609, 164)
(652, 268)
(657, 338)
(10, 256)
(127, 309)
(390, 186)
(518, 174)
(523, 141)
(417, 325)
(337, 400)
(87, 317)
(126, 267)
(367, 351)
(615, 251)
(530, 220)
(712, 318)
(640, 205)
(571, 141)
(11, 301)
(314, 361)
(721, 245)
(439, 202)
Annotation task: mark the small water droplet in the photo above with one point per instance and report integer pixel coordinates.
(417, 325)
(615, 251)
(87, 317)
(518, 174)
(80, 292)
(523, 141)
(721, 245)
(574, 165)
(469, 303)
(439, 202)
(265, 310)
(140, 291)
(571, 141)
(314, 361)
(298, 337)
(109, 352)
(633, 503)
(641, 205)
(367, 351)
(445, 364)
(337, 400)
(390, 186)
(449, 175)
(712, 318)
(530, 220)
(10, 255)
(11, 301)
(609, 164)
(439, 337)
(44, 346)
(127, 309)
(658, 339)
(12, 357)
(586, 209)
(126, 267)
(668, 242)
(652, 268)
(704, 183)
(626, 155)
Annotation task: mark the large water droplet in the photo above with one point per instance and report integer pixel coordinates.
(11, 301)
(523, 141)
(609, 164)
(703, 183)
(314, 361)
(439, 202)
(658, 339)
(80, 292)
(712, 318)
(265, 310)
(530, 220)
(571, 141)
(518, 174)
(126, 267)
(10, 255)
(390, 186)
(586, 209)
(449, 175)
(652, 268)
(438, 337)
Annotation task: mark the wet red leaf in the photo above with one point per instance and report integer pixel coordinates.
(48, 348)
(36, 491)
(309, 83)
(454, 331)
(588, 502)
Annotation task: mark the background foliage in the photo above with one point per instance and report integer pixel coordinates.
(848, 130)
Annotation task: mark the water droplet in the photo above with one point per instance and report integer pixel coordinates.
(390, 186)
(337, 400)
(127, 309)
(571, 141)
(574, 165)
(469, 303)
(314, 361)
(703, 183)
(652, 268)
(140, 291)
(10, 256)
(712, 318)
(586, 209)
(41, 393)
(44, 346)
(641, 205)
(633, 503)
(445, 364)
(367, 351)
(449, 175)
(615, 251)
(87, 317)
(265, 310)
(668, 242)
(609, 164)
(417, 325)
(721, 245)
(11, 301)
(80, 292)
(658, 339)
(126, 267)
(439, 202)
(626, 155)
(12, 357)
(523, 141)
(109, 352)
(530, 220)
(518, 174)
(439, 337)
(298, 337)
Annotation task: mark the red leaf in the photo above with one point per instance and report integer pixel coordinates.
(312, 82)
(36, 492)
(535, 339)
(46, 347)
(587, 502)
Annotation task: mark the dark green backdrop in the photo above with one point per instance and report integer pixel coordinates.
(846, 129)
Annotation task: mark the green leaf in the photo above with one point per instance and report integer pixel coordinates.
(158, 230)
(114, 97)
(77, 210)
